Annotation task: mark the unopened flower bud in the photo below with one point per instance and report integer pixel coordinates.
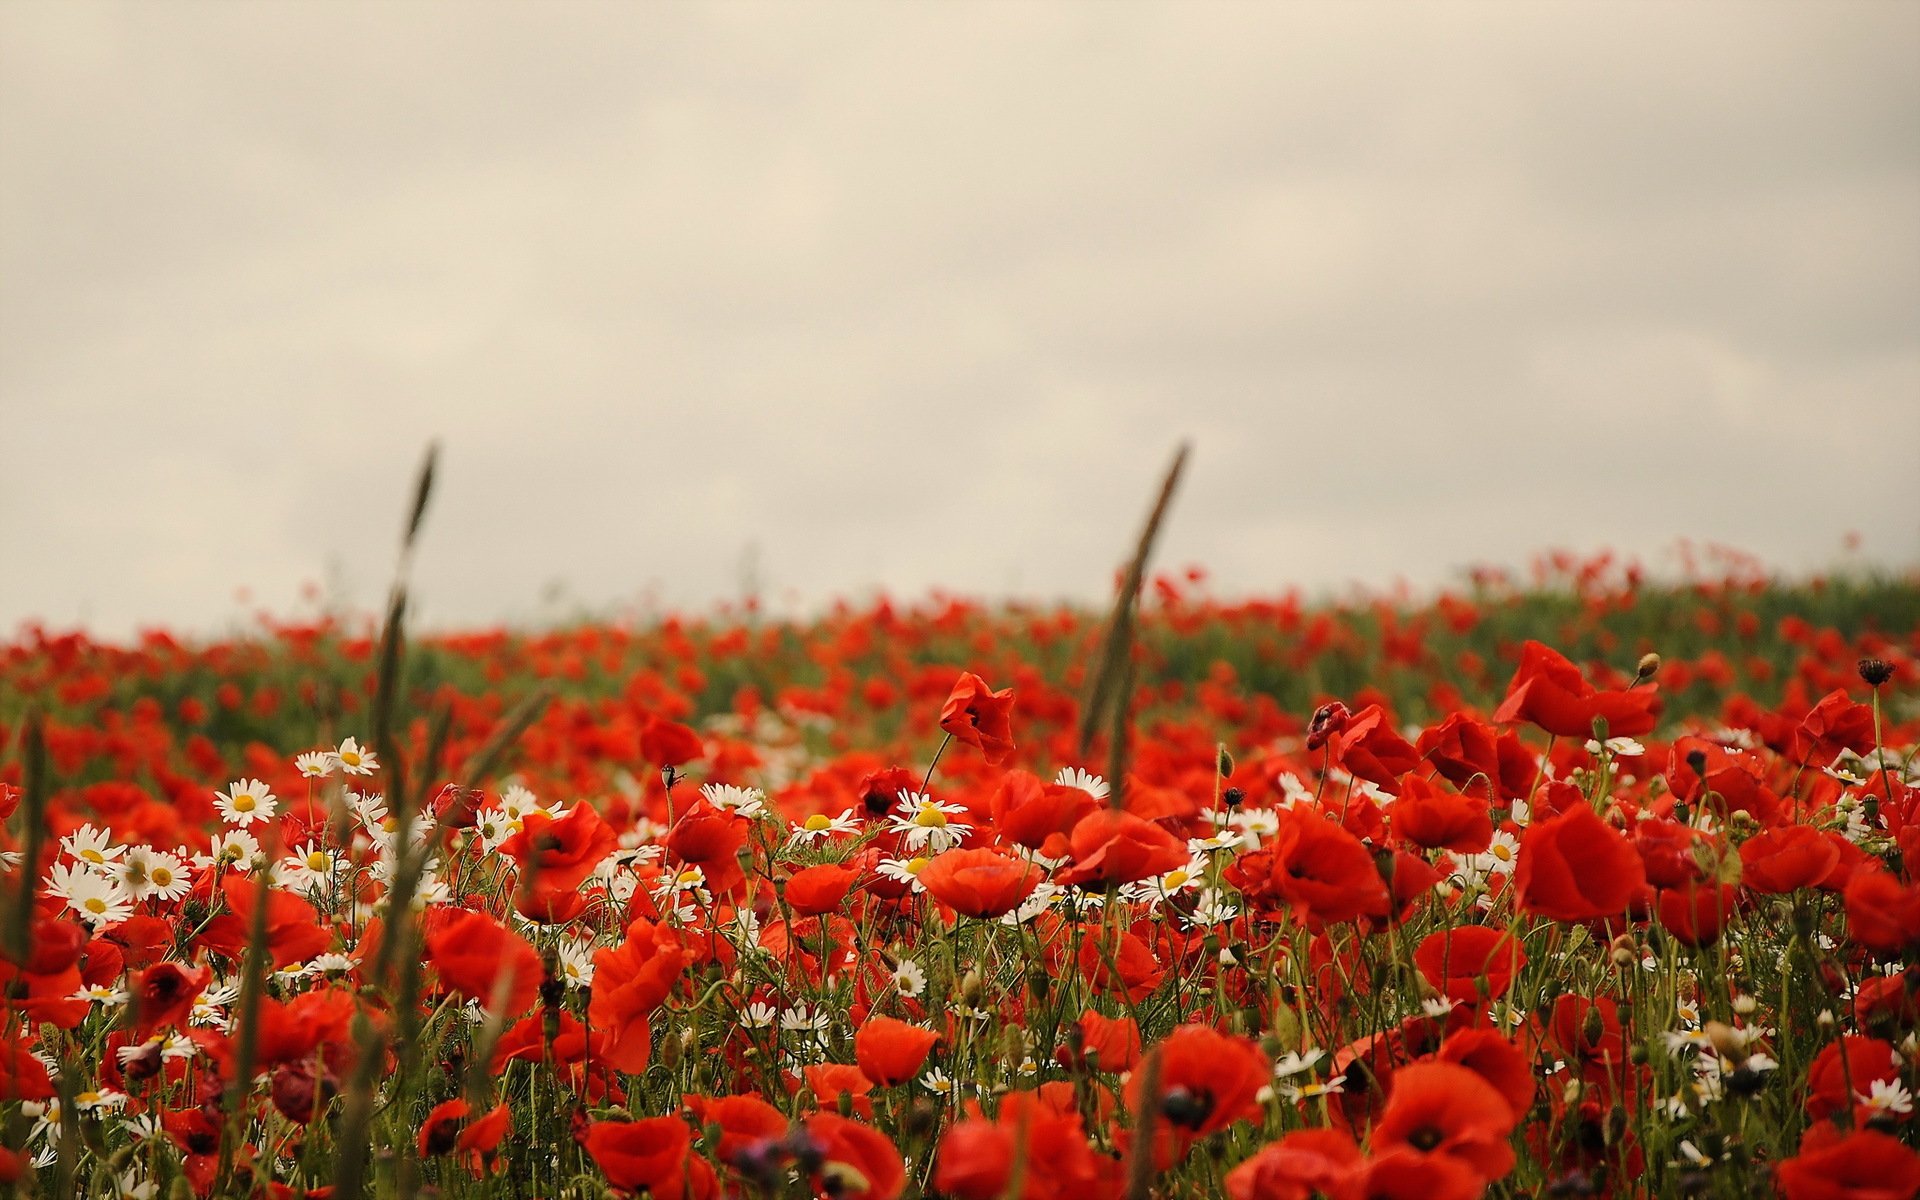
(1649, 663)
(1875, 671)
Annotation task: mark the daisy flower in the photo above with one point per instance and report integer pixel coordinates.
(908, 979)
(1086, 781)
(904, 870)
(98, 899)
(314, 764)
(927, 824)
(308, 869)
(819, 827)
(1314, 1089)
(748, 802)
(246, 801)
(1887, 1096)
(149, 872)
(92, 846)
(234, 847)
(355, 760)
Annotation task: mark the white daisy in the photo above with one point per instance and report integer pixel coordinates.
(98, 899)
(1086, 781)
(92, 846)
(246, 801)
(748, 802)
(928, 824)
(315, 764)
(819, 827)
(1887, 1096)
(904, 870)
(354, 759)
(908, 979)
(149, 872)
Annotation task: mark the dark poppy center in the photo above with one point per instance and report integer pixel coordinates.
(1425, 1138)
(1187, 1109)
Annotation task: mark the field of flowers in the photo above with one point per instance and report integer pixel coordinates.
(1567, 885)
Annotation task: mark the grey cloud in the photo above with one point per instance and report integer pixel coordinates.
(923, 296)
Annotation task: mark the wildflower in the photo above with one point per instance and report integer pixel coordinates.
(819, 827)
(980, 717)
(928, 823)
(1092, 785)
(1886, 1096)
(315, 764)
(979, 883)
(1313, 1089)
(147, 872)
(909, 979)
(98, 899)
(246, 801)
(354, 760)
(91, 846)
(746, 802)
(308, 869)
(1294, 1062)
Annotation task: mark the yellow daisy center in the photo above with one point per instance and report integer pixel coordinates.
(930, 817)
(243, 802)
(819, 823)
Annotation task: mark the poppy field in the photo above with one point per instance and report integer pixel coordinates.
(1562, 884)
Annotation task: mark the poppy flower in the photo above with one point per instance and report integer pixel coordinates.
(1695, 914)
(1304, 1163)
(1367, 748)
(163, 994)
(447, 1130)
(475, 956)
(1447, 1110)
(1550, 692)
(980, 883)
(1434, 819)
(559, 855)
(1109, 1043)
(830, 1081)
(1863, 1165)
(655, 1155)
(1883, 914)
(1495, 1059)
(743, 1121)
(1576, 867)
(667, 743)
(1836, 723)
(1323, 871)
(859, 1161)
(980, 717)
(890, 1051)
(1207, 1080)
(977, 1155)
(630, 981)
(1845, 1070)
(1034, 814)
(815, 890)
(1776, 861)
(294, 933)
(1118, 847)
(1469, 963)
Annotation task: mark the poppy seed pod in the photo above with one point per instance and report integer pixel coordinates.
(1875, 671)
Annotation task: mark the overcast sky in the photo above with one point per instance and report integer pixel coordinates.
(917, 295)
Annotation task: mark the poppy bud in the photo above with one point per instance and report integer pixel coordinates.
(1225, 763)
(1649, 663)
(1594, 1027)
(970, 986)
(1726, 1043)
(1875, 671)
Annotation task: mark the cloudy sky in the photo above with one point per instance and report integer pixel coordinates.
(916, 295)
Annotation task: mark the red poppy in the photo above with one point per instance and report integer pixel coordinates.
(1109, 1043)
(294, 933)
(1576, 867)
(1368, 748)
(1787, 859)
(655, 1154)
(1207, 1080)
(630, 981)
(1882, 913)
(1550, 692)
(830, 1081)
(1836, 723)
(163, 994)
(1324, 871)
(447, 1130)
(743, 1121)
(667, 743)
(475, 956)
(558, 856)
(1847, 1069)
(815, 890)
(1429, 817)
(859, 1160)
(1446, 1110)
(1470, 963)
(976, 1156)
(1695, 914)
(1118, 847)
(1863, 1165)
(1033, 814)
(980, 883)
(1304, 1163)
(891, 1051)
(1497, 1060)
(980, 717)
